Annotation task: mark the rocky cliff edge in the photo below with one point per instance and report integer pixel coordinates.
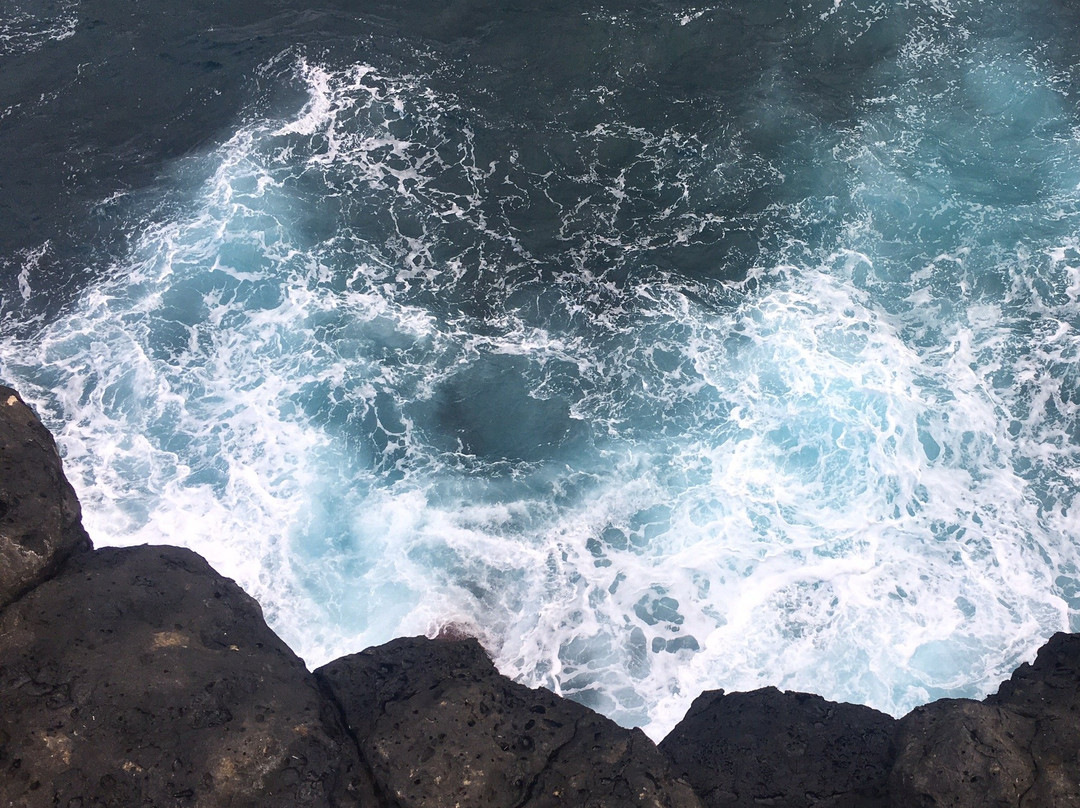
(142, 677)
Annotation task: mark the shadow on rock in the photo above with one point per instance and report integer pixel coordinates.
(442, 728)
(787, 750)
(141, 676)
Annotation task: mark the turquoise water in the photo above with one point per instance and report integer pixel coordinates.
(726, 348)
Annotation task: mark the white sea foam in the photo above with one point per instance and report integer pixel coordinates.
(26, 27)
(344, 376)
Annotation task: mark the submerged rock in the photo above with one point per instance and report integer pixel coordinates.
(441, 728)
(141, 676)
(782, 749)
(39, 514)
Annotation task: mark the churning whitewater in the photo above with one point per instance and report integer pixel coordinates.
(731, 348)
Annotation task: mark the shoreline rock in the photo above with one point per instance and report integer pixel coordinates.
(141, 676)
(441, 727)
(1018, 747)
(768, 747)
(40, 518)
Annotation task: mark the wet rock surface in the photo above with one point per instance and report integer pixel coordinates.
(442, 728)
(772, 748)
(39, 514)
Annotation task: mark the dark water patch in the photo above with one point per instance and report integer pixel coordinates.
(98, 115)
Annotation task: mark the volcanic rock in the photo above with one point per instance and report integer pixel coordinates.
(780, 749)
(1048, 693)
(959, 752)
(441, 728)
(39, 513)
(1019, 748)
(141, 676)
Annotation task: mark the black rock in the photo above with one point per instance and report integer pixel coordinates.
(142, 677)
(1019, 748)
(1048, 688)
(959, 752)
(39, 514)
(1048, 692)
(441, 728)
(782, 749)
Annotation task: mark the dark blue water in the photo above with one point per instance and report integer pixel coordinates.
(661, 347)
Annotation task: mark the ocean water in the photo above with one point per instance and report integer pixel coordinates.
(660, 347)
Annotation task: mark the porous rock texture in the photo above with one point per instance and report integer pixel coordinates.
(780, 749)
(141, 676)
(39, 514)
(1019, 748)
(1048, 693)
(959, 752)
(442, 728)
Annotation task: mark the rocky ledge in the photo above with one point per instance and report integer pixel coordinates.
(142, 677)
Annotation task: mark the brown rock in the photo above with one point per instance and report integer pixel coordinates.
(39, 513)
(441, 728)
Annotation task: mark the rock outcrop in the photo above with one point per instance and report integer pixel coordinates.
(959, 752)
(1048, 693)
(442, 728)
(39, 514)
(142, 677)
(782, 749)
(1019, 748)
